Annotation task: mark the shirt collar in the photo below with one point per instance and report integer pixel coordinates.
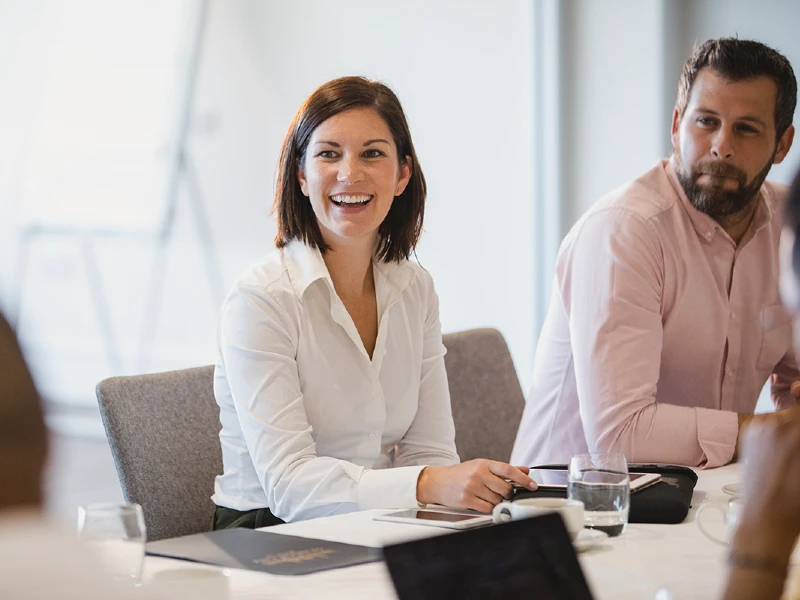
(397, 275)
(305, 265)
(705, 226)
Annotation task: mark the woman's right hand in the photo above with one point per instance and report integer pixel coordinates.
(478, 484)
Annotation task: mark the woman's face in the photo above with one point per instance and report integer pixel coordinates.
(351, 173)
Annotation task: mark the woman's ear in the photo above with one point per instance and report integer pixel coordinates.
(406, 170)
(301, 178)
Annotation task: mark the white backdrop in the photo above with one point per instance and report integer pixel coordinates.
(464, 71)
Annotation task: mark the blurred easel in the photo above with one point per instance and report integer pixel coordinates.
(181, 175)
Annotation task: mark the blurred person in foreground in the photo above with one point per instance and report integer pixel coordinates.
(665, 319)
(769, 525)
(37, 561)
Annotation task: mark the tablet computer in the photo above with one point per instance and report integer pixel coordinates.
(436, 518)
(559, 478)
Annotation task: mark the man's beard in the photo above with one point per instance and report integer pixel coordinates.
(717, 201)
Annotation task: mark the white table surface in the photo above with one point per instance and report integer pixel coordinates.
(634, 565)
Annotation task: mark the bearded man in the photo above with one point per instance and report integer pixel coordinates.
(665, 320)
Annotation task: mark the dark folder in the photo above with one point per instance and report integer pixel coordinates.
(264, 551)
(667, 501)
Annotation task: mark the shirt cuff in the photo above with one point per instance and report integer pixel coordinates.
(717, 433)
(389, 488)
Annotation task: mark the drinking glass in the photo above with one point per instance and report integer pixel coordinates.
(601, 482)
(115, 533)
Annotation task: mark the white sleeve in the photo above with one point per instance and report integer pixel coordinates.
(430, 440)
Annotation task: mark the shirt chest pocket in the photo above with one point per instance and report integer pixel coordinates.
(776, 336)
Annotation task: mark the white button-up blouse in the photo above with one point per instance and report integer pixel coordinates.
(311, 426)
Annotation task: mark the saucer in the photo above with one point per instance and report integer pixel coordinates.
(733, 489)
(588, 538)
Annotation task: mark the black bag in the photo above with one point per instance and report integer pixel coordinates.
(667, 501)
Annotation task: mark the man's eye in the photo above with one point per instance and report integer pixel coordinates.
(705, 121)
(747, 129)
(373, 153)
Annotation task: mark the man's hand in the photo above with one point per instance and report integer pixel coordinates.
(795, 390)
(477, 484)
(780, 416)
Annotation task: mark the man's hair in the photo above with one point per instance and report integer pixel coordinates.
(400, 230)
(736, 60)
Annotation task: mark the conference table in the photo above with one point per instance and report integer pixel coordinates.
(646, 558)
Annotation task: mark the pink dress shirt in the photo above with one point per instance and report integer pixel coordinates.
(660, 330)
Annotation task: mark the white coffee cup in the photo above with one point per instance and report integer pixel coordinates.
(731, 513)
(570, 510)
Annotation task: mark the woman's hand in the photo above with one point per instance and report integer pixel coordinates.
(478, 484)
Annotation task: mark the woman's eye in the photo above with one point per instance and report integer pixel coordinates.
(327, 154)
(373, 153)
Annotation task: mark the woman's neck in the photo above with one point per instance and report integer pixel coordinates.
(350, 267)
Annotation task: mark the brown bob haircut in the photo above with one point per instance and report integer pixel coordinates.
(736, 60)
(400, 230)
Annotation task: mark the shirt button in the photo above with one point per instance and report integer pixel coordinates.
(709, 235)
(372, 436)
(733, 316)
(730, 372)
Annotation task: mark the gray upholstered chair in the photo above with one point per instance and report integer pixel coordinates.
(163, 430)
(485, 393)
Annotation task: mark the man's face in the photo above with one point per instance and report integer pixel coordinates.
(725, 143)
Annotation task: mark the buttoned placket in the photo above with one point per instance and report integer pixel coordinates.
(376, 417)
(734, 336)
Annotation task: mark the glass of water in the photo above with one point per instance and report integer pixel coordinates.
(115, 533)
(601, 482)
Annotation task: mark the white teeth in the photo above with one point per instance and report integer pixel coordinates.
(346, 199)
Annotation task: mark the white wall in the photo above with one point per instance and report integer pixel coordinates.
(773, 22)
(463, 70)
(614, 119)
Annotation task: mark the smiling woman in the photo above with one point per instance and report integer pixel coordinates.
(352, 125)
(330, 365)
(351, 174)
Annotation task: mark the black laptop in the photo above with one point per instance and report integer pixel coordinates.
(532, 557)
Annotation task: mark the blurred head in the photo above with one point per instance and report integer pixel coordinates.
(732, 121)
(789, 254)
(23, 440)
(348, 170)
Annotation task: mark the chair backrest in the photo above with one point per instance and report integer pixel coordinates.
(485, 394)
(163, 430)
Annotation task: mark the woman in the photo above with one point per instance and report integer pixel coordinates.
(330, 362)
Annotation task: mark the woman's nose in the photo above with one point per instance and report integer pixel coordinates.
(349, 170)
